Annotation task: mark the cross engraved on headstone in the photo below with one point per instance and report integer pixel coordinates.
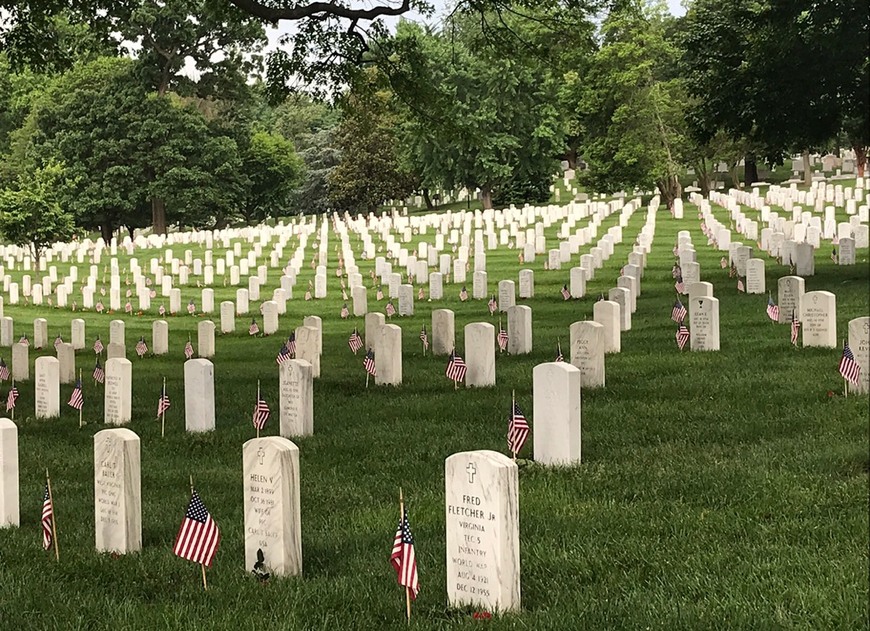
(471, 469)
(261, 456)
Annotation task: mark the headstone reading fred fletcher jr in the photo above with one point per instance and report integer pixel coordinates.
(483, 530)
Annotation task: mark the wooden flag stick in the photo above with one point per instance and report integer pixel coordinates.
(513, 405)
(80, 409)
(407, 589)
(257, 406)
(163, 411)
(367, 377)
(13, 407)
(204, 582)
(53, 517)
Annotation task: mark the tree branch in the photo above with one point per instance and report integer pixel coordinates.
(275, 14)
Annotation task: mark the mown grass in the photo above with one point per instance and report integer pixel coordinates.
(717, 490)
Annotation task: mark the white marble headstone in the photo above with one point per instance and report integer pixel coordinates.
(117, 491)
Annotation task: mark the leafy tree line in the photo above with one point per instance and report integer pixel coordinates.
(489, 99)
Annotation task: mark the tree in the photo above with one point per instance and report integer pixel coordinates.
(632, 106)
(31, 216)
(782, 75)
(487, 122)
(273, 172)
(369, 172)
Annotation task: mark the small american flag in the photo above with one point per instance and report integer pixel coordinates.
(128, 308)
(253, 329)
(390, 309)
(678, 313)
(47, 519)
(493, 305)
(343, 294)
(261, 413)
(402, 557)
(741, 288)
(379, 295)
(355, 341)
(24, 340)
(676, 271)
(565, 293)
(502, 339)
(424, 337)
(456, 368)
(4, 370)
(676, 250)
(57, 342)
(307, 294)
(369, 363)
(421, 294)
(100, 308)
(98, 346)
(188, 350)
(344, 312)
(283, 355)
(11, 399)
(849, 368)
(77, 399)
(682, 335)
(518, 429)
(559, 356)
(723, 262)
(772, 309)
(199, 535)
(834, 256)
(99, 373)
(191, 307)
(161, 310)
(680, 286)
(795, 328)
(463, 294)
(291, 343)
(141, 347)
(162, 404)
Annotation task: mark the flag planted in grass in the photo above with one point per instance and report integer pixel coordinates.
(502, 338)
(369, 364)
(11, 398)
(741, 288)
(456, 368)
(199, 535)
(141, 347)
(191, 307)
(424, 338)
(379, 295)
(253, 329)
(24, 340)
(99, 373)
(849, 368)
(772, 309)
(283, 355)
(4, 370)
(403, 559)
(680, 286)
(261, 413)
(795, 328)
(518, 429)
(559, 356)
(682, 335)
(565, 293)
(188, 350)
(47, 519)
(355, 342)
(390, 309)
(493, 305)
(163, 404)
(463, 294)
(291, 343)
(345, 312)
(678, 313)
(57, 342)
(77, 399)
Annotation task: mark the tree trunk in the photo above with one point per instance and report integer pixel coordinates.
(750, 171)
(571, 158)
(131, 231)
(860, 159)
(427, 199)
(106, 231)
(704, 182)
(158, 215)
(808, 172)
(670, 190)
(735, 177)
(486, 197)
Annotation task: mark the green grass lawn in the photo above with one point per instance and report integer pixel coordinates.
(717, 490)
